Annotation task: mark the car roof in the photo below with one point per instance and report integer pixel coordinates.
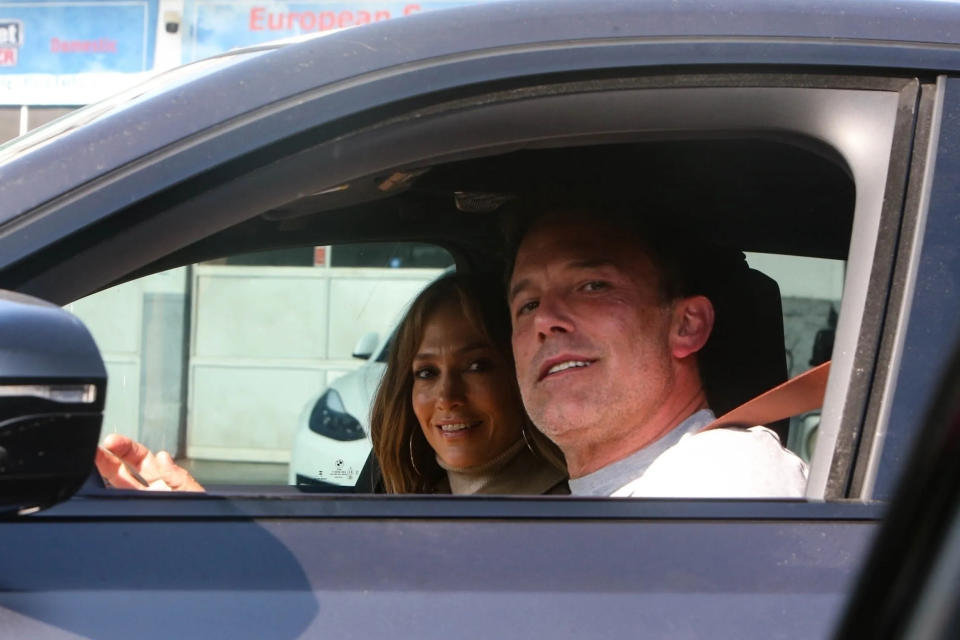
(253, 79)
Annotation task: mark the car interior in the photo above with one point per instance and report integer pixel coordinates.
(772, 195)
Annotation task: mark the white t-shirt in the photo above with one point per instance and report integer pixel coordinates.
(688, 462)
(722, 463)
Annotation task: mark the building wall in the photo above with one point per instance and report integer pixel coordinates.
(222, 362)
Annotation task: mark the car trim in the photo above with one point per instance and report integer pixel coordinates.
(869, 263)
(285, 502)
(902, 288)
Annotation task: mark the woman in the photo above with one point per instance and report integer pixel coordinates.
(448, 417)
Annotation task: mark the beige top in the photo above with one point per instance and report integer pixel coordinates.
(516, 471)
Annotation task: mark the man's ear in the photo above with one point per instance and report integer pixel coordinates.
(692, 324)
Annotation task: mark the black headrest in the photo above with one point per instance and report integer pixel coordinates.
(745, 354)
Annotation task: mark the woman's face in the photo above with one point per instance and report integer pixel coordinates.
(464, 391)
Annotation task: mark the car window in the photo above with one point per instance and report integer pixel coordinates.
(811, 290)
(806, 202)
(257, 368)
(260, 368)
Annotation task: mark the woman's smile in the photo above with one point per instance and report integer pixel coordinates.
(452, 428)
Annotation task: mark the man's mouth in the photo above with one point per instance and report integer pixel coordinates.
(555, 367)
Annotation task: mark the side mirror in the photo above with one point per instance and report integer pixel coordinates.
(52, 390)
(365, 345)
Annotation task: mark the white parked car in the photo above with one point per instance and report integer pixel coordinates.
(333, 435)
(332, 441)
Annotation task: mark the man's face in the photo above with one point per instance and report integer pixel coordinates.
(590, 331)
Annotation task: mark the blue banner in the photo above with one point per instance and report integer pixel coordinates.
(217, 26)
(73, 37)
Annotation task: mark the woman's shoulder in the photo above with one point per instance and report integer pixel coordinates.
(526, 474)
(562, 488)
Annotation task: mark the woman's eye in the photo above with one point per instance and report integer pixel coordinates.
(479, 365)
(424, 373)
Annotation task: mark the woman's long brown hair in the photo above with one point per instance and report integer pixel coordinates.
(407, 463)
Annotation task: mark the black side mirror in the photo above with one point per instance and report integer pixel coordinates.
(52, 390)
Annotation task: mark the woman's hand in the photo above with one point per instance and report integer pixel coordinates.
(120, 460)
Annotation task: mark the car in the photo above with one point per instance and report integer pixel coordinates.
(332, 442)
(908, 585)
(820, 140)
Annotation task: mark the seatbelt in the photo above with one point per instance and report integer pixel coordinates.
(797, 395)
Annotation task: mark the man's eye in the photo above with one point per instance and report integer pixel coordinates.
(527, 307)
(596, 285)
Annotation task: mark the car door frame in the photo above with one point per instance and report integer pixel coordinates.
(131, 204)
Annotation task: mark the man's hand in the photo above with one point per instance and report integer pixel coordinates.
(120, 459)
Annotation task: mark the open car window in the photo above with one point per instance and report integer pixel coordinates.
(800, 173)
(258, 368)
(811, 291)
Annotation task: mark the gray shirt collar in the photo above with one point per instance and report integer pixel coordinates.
(603, 482)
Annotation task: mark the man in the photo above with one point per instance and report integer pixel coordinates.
(605, 341)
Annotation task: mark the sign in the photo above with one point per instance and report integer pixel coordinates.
(11, 39)
(216, 26)
(46, 47)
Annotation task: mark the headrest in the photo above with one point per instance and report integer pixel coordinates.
(745, 355)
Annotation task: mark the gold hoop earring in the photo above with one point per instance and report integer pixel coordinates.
(413, 462)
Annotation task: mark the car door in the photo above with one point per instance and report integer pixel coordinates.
(262, 169)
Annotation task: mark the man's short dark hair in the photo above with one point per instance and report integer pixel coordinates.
(686, 263)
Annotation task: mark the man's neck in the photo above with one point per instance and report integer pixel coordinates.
(594, 456)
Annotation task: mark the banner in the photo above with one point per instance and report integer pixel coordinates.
(217, 26)
(50, 49)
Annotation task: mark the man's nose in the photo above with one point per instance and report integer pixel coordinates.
(552, 316)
